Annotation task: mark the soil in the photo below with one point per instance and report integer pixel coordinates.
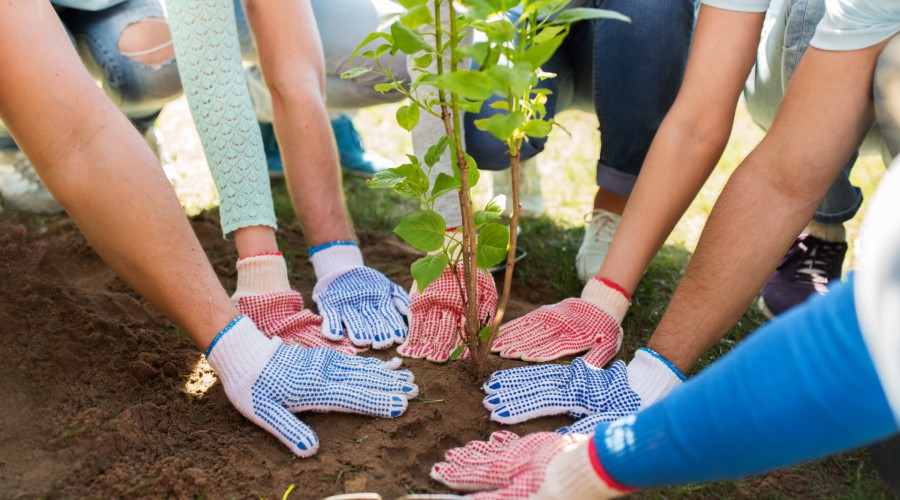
(92, 384)
(94, 398)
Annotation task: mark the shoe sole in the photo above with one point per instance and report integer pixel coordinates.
(761, 304)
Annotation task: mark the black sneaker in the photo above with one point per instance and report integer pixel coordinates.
(809, 266)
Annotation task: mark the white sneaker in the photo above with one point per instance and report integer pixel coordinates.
(21, 188)
(597, 236)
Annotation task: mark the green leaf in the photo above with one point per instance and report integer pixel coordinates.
(495, 204)
(570, 16)
(423, 61)
(415, 179)
(470, 106)
(354, 72)
(502, 125)
(499, 31)
(547, 33)
(540, 52)
(385, 87)
(500, 105)
(409, 41)
(427, 269)
(466, 83)
(416, 16)
(386, 178)
(382, 49)
(435, 151)
(372, 36)
(457, 352)
(482, 217)
(474, 174)
(477, 51)
(537, 128)
(408, 116)
(493, 243)
(515, 80)
(444, 184)
(483, 334)
(424, 230)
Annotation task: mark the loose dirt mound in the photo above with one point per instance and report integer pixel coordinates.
(92, 381)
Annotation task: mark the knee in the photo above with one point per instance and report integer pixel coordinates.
(887, 93)
(148, 42)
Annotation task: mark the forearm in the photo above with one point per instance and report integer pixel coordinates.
(103, 174)
(801, 387)
(689, 142)
(769, 199)
(209, 62)
(292, 62)
(677, 165)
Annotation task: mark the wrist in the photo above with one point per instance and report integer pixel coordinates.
(651, 376)
(608, 296)
(334, 257)
(239, 353)
(261, 274)
(577, 474)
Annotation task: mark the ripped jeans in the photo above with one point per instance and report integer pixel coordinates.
(140, 90)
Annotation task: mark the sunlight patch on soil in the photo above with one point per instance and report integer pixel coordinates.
(201, 379)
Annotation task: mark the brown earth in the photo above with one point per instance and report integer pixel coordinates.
(93, 399)
(92, 383)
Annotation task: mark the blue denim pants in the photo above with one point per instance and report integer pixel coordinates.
(342, 25)
(788, 29)
(140, 90)
(628, 73)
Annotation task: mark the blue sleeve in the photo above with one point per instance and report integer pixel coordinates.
(801, 387)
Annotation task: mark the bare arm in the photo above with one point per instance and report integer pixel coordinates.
(826, 112)
(97, 166)
(292, 61)
(689, 142)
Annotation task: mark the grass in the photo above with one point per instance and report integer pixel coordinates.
(567, 170)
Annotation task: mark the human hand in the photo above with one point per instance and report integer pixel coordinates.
(367, 303)
(281, 314)
(264, 295)
(267, 381)
(569, 327)
(543, 465)
(437, 316)
(580, 389)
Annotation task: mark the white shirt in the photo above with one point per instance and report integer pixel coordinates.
(847, 25)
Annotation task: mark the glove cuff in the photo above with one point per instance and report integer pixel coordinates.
(259, 275)
(328, 260)
(239, 353)
(573, 474)
(651, 376)
(612, 299)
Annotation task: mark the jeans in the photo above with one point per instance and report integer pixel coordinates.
(788, 29)
(342, 25)
(140, 90)
(629, 73)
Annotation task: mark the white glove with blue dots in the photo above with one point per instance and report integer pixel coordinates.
(268, 381)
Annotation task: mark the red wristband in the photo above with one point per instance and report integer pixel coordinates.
(601, 472)
(615, 286)
(261, 255)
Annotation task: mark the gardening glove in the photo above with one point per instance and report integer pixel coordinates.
(540, 466)
(350, 294)
(580, 389)
(569, 327)
(437, 316)
(264, 295)
(267, 381)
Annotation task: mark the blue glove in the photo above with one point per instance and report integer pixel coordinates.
(368, 304)
(349, 294)
(267, 381)
(580, 389)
